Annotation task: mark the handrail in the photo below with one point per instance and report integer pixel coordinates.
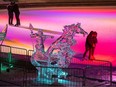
(19, 48)
(30, 51)
(11, 47)
(103, 61)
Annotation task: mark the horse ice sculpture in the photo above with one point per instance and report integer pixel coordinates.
(45, 62)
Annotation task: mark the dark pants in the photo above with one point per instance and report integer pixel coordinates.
(91, 52)
(17, 18)
(10, 20)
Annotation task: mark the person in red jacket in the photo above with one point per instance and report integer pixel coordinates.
(90, 45)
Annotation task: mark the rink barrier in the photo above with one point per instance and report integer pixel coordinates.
(13, 65)
(74, 78)
(97, 70)
(12, 75)
(14, 55)
(9, 56)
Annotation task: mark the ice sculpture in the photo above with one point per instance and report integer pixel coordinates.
(46, 62)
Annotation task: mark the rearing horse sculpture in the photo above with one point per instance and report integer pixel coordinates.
(64, 42)
(62, 58)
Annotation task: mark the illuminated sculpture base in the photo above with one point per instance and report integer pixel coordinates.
(45, 81)
(50, 75)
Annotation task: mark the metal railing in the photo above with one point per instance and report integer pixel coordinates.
(96, 70)
(99, 70)
(12, 75)
(30, 52)
(13, 55)
(13, 65)
(49, 76)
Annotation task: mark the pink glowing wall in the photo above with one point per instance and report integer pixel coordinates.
(100, 19)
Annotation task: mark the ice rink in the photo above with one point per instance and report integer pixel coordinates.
(100, 19)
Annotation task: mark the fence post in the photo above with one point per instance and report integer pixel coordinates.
(0, 61)
(10, 58)
(0, 67)
(110, 74)
(84, 77)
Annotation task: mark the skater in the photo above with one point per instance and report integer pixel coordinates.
(17, 13)
(10, 13)
(90, 45)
